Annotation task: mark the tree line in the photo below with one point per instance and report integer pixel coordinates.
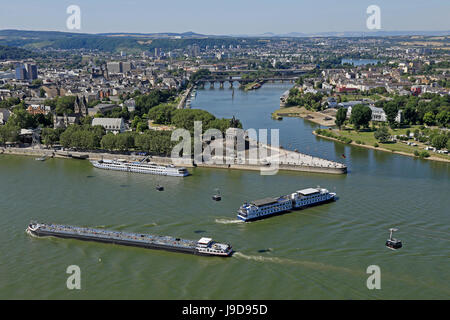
(87, 137)
(167, 114)
(430, 109)
(311, 101)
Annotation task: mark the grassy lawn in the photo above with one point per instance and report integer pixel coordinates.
(289, 110)
(368, 139)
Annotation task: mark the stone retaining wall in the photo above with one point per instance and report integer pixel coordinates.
(326, 168)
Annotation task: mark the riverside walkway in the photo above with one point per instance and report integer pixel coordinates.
(287, 160)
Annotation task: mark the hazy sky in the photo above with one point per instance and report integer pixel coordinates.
(226, 16)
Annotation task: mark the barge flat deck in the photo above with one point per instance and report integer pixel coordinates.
(204, 246)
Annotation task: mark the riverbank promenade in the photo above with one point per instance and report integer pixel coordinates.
(287, 160)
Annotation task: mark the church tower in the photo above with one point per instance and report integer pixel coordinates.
(76, 106)
(83, 107)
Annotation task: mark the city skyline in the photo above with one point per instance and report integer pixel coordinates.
(208, 151)
(231, 18)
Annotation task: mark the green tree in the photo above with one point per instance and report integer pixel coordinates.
(443, 118)
(136, 121)
(341, 115)
(9, 133)
(65, 105)
(410, 115)
(43, 120)
(124, 141)
(220, 124)
(382, 134)
(361, 116)
(184, 118)
(429, 118)
(439, 141)
(108, 141)
(142, 126)
(22, 119)
(97, 132)
(145, 102)
(49, 136)
(66, 137)
(12, 101)
(161, 114)
(83, 137)
(391, 110)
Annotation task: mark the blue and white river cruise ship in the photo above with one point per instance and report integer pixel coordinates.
(267, 207)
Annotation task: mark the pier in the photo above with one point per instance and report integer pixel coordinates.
(269, 158)
(287, 160)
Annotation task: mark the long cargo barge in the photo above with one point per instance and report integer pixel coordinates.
(204, 246)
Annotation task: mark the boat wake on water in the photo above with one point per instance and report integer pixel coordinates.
(153, 224)
(316, 266)
(285, 261)
(261, 258)
(31, 234)
(229, 221)
(123, 226)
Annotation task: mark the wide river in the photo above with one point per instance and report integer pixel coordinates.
(318, 253)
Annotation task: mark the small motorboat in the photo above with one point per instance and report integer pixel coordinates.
(393, 243)
(159, 188)
(217, 196)
(41, 158)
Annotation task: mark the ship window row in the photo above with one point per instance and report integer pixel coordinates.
(270, 211)
(211, 250)
(312, 200)
(278, 206)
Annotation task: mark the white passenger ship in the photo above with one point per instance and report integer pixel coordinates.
(141, 167)
(264, 208)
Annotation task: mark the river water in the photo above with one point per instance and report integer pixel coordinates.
(360, 62)
(318, 253)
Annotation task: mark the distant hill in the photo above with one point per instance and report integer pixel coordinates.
(12, 53)
(137, 42)
(169, 35)
(346, 34)
(110, 42)
(380, 33)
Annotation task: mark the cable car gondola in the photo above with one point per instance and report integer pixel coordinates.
(393, 243)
